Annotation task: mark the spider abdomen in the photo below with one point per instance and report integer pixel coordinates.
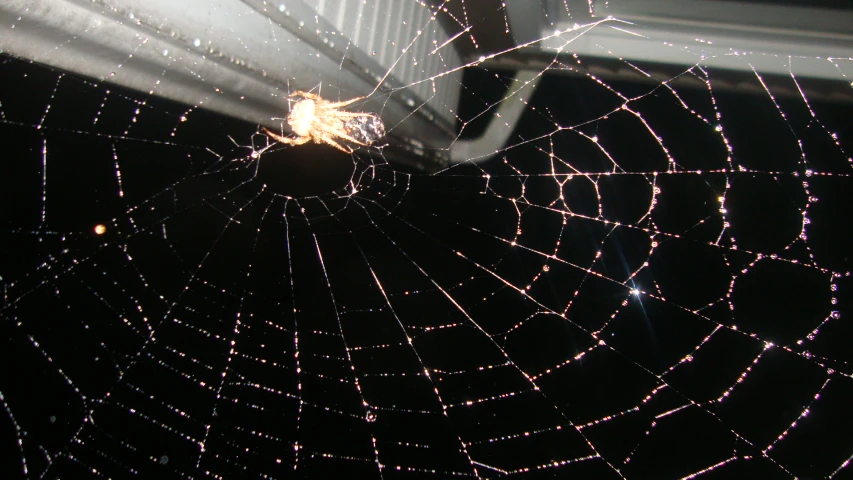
(367, 129)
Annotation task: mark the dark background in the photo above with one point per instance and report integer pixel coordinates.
(263, 311)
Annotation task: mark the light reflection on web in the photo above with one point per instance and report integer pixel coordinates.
(646, 281)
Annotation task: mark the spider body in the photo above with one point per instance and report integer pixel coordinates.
(314, 118)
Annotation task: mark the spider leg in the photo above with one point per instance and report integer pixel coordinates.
(287, 140)
(344, 135)
(341, 104)
(321, 101)
(308, 95)
(343, 114)
(325, 138)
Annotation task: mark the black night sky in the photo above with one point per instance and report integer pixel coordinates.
(258, 320)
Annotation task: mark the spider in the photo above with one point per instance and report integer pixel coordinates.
(314, 118)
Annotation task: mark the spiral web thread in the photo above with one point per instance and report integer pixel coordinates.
(648, 280)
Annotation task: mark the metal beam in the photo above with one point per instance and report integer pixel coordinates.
(502, 122)
(771, 39)
(242, 58)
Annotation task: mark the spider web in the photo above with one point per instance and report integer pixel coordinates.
(650, 280)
